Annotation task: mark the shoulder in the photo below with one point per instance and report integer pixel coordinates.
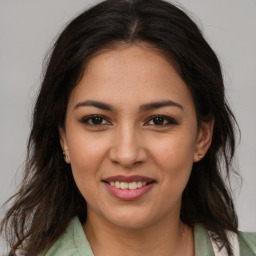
(244, 242)
(72, 243)
(247, 243)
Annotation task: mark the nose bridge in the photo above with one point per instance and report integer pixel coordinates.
(127, 146)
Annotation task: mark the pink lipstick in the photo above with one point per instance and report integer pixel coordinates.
(128, 187)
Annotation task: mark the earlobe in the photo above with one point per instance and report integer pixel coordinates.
(204, 139)
(64, 146)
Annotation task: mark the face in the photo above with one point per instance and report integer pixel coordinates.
(131, 137)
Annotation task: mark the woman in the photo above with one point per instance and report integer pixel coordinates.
(133, 98)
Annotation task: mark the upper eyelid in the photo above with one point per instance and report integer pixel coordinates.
(92, 116)
(162, 116)
(159, 115)
(168, 118)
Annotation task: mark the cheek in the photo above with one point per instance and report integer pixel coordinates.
(85, 168)
(86, 154)
(86, 151)
(87, 157)
(174, 157)
(175, 150)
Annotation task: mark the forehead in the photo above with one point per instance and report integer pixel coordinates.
(130, 73)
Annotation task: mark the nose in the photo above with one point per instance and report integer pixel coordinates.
(127, 147)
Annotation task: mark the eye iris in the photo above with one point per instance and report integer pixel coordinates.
(97, 120)
(158, 120)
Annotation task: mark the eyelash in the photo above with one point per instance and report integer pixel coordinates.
(170, 120)
(86, 120)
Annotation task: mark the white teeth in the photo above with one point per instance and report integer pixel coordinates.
(117, 184)
(133, 185)
(126, 185)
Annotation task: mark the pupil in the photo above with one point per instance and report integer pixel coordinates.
(97, 120)
(158, 121)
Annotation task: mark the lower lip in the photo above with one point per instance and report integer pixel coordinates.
(128, 194)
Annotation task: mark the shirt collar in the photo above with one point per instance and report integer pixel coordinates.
(74, 239)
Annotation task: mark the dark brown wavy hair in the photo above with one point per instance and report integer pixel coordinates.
(48, 197)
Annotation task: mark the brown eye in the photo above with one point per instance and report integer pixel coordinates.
(95, 120)
(161, 121)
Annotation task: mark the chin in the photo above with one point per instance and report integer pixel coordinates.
(130, 219)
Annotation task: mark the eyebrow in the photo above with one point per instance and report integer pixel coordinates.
(160, 104)
(93, 103)
(143, 108)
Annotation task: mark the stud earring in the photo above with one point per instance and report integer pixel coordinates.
(200, 156)
(66, 157)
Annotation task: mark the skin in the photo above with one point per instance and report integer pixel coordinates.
(128, 142)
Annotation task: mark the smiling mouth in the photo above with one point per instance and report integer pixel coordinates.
(128, 182)
(128, 185)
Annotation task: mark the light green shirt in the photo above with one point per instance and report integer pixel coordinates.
(74, 242)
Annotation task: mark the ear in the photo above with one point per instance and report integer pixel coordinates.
(64, 145)
(204, 139)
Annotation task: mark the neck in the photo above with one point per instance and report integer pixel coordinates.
(167, 237)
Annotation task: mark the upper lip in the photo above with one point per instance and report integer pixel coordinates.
(128, 179)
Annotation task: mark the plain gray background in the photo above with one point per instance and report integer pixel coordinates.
(28, 29)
